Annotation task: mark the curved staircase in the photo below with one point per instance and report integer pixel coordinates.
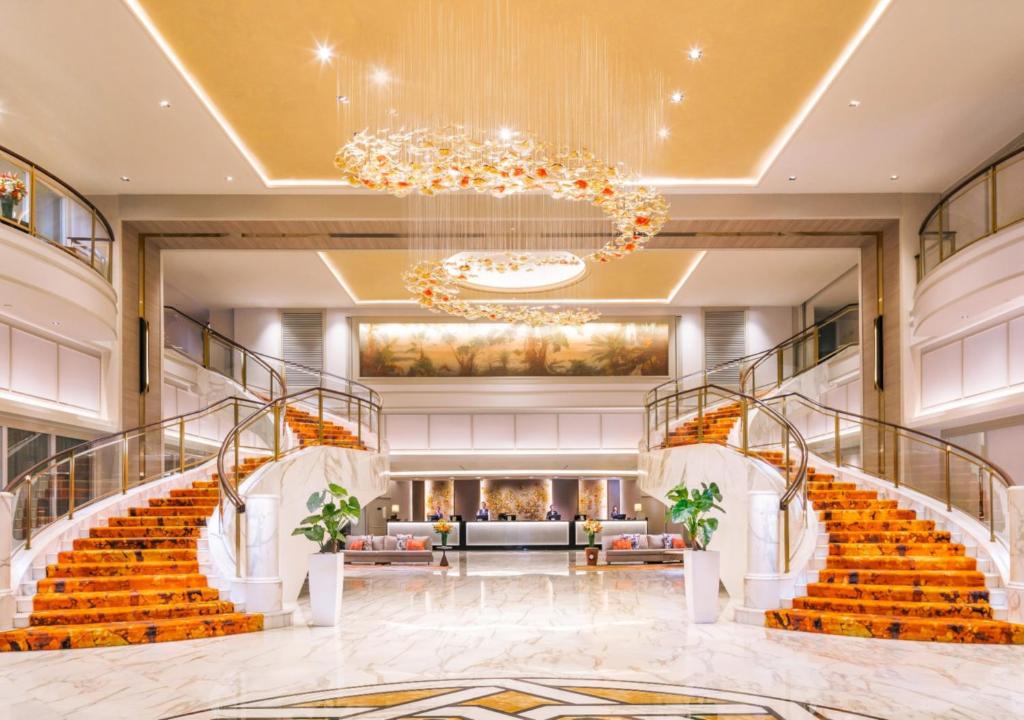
(890, 575)
(713, 427)
(137, 580)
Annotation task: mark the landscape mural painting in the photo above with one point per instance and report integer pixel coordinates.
(459, 349)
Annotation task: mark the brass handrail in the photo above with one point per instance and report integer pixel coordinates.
(121, 438)
(989, 174)
(208, 333)
(34, 170)
(795, 483)
(762, 355)
(232, 441)
(944, 448)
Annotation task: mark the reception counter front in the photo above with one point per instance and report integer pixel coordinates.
(503, 534)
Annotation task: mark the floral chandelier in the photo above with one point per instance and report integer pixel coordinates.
(430, 162)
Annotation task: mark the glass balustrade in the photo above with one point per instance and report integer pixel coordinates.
(41, 204)
(988, 201)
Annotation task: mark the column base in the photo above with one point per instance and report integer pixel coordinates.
(762, 592)
(8, 606)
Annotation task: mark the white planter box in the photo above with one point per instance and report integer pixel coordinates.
(700, 570)
(326, 577)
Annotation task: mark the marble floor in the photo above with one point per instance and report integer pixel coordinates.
(511, 627)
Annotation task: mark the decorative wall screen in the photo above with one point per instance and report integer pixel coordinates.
(725, 338)
(302, 337)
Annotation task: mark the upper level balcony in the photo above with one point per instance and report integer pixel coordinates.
(39, 203)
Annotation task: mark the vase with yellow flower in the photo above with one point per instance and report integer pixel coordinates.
(592, 528)
(443, 528)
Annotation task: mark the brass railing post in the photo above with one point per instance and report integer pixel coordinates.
(785, 537)
(991, 509)
(839, 444)
(817, 340)
(320, 415)
(238, 543)
(71, 486)
(245, 371)
(277, 431)
(701, 399)
(359, 421)
(181, 445)
(235, 471)
(744, 427)
(778, 363)
(896, 457)
(945, 475)
(29, 515)
(124, 465)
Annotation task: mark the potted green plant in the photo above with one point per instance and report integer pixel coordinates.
(592, 528)
(691, 507)
(332, 509)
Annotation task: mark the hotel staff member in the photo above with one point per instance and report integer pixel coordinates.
(438, 515)
(483, 513)
(616, 515)
(553, 514)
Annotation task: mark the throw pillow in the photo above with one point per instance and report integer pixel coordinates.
(634, 540)
(415, 545)
(357, 545)
(622, 544)
(678, 544)
(403, 541)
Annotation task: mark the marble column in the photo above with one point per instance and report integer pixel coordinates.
(1015, 537)
(761, 586)
(263, 587)
(7, 602)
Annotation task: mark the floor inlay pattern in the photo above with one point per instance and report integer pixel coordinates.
(535, 699)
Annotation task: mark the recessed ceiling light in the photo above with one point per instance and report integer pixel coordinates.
(229, 178)
(792, 178)
(165, 104)
(663, 133)
(381, 76)
(55, 323)
(695, 53)
(343, 99)
(505, 133)
(324, 52)
(854, 103)
(894, 177)
(676, 97)
(125, 178)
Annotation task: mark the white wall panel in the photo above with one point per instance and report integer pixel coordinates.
(450, 432)
(187, 401)
(33, 365)
(579, 431)
(79, 379)
(985, 361)
(408, 432)
(536, 431)
(5, 357)
(621, 430)
(169, 400)
(494, 432)
(941, 372)
(1016, 343)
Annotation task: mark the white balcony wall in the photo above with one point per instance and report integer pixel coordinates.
(36, 368)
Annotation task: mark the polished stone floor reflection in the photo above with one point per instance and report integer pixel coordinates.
(511, 617)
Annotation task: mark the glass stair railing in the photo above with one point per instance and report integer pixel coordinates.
(39, 203)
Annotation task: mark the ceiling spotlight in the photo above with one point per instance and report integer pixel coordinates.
(229, 178)
(381, 76)
(663, 133)
(695, 53)
(165, 104)
(792, 178)
(55, 323)
(505, 134)
(324, 52)
(125, 178)
(854, 103)
(894, 177)
(676, 97)
(343, 99)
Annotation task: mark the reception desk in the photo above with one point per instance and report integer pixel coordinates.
(509, 534)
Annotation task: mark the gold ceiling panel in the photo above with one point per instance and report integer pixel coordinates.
(762, 64)
(373, 276)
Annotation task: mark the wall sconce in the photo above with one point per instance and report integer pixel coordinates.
(394, 512)
(637, 509)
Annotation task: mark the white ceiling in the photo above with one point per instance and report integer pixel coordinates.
(197, 280)
(941, 84)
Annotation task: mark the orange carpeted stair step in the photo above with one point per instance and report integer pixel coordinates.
(128, 633)
(133, 543)
(147, 531)
(123, 598)
(158, 520)
(895, 562)
(899, 593)
(121, 582)
(959, 578)
(936, 549)
(113, 556)
(982, 611)
(81, 570)
(956, 630)
(88, 616)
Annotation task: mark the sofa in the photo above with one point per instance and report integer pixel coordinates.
(383, 549)
(650, 548)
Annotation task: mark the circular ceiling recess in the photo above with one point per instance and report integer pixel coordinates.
(509, 272)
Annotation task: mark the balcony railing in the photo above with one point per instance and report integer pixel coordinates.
(39, 203)
(985, 203)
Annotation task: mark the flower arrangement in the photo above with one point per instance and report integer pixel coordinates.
(12, 191)
(443, 527)
(592, 527)
(452, 159)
